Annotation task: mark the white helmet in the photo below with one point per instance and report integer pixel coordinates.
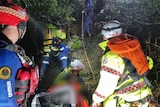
(112, 29)
(76, 64)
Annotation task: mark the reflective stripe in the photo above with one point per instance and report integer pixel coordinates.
(46, 54)
(112, 71)
(20, 97)
(22, 89)
(61, 49)
(45, 62)
(131, 88)
(21, 83)
(64, 57)
(54, 48)
(47, 49)
(100, 95)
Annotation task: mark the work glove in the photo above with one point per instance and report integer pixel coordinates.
(95, 104)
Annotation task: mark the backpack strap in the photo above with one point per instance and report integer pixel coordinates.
(132, 73)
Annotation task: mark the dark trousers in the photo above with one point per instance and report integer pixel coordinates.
(86, 26)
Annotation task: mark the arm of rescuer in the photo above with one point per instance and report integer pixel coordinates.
(108, 81)
(88, 6)
(64, 48)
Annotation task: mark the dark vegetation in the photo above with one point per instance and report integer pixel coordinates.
(139, 17)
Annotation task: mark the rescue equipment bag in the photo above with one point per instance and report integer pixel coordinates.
(128, 46)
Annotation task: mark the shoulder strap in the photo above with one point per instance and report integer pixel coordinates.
(129, 71)
(129, 66)
(133, 73)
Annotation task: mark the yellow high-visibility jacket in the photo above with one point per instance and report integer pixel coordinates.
(111, 74)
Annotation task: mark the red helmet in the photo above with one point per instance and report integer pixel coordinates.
(12, 15)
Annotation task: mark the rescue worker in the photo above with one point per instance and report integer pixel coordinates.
(54, 47)
(73, 78)
(122, 80)
(99, 6)
(74, 68)
(13, 20)
(47, 44)
(88, 17)
(60, 49)
(99, 12)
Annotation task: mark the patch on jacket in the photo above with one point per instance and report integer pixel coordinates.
(5, 73)
(105, 61)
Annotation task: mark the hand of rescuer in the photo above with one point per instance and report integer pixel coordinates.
(94, 104)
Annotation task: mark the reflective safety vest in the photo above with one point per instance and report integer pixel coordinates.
(130, 87)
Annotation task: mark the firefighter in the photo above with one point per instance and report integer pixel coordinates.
(54, 47)
(13, 20)
(47, 44)
(88, 17)
(122, 80)
(60, 49)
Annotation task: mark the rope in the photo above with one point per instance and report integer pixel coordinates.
(85, 53)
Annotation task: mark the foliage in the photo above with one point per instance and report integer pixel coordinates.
(75, 43)
(49, 10)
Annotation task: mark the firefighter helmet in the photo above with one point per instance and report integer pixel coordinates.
(112, 29)
(49, 34)
(51, 26)
(60, 34)
(12, 15)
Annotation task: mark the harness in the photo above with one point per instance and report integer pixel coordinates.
(24, 86)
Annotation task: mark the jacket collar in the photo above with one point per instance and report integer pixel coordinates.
(4, 41)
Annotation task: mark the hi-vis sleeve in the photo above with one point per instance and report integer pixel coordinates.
(111, 67)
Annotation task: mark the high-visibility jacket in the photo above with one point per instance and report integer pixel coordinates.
(113, 82)
(109, 83)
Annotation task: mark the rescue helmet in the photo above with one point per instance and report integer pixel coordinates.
(76, 65)
(12, 15)
(49, 32)
(60, 34)
(51, 26)
(112, 29)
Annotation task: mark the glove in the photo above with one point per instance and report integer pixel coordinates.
(94, 104)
